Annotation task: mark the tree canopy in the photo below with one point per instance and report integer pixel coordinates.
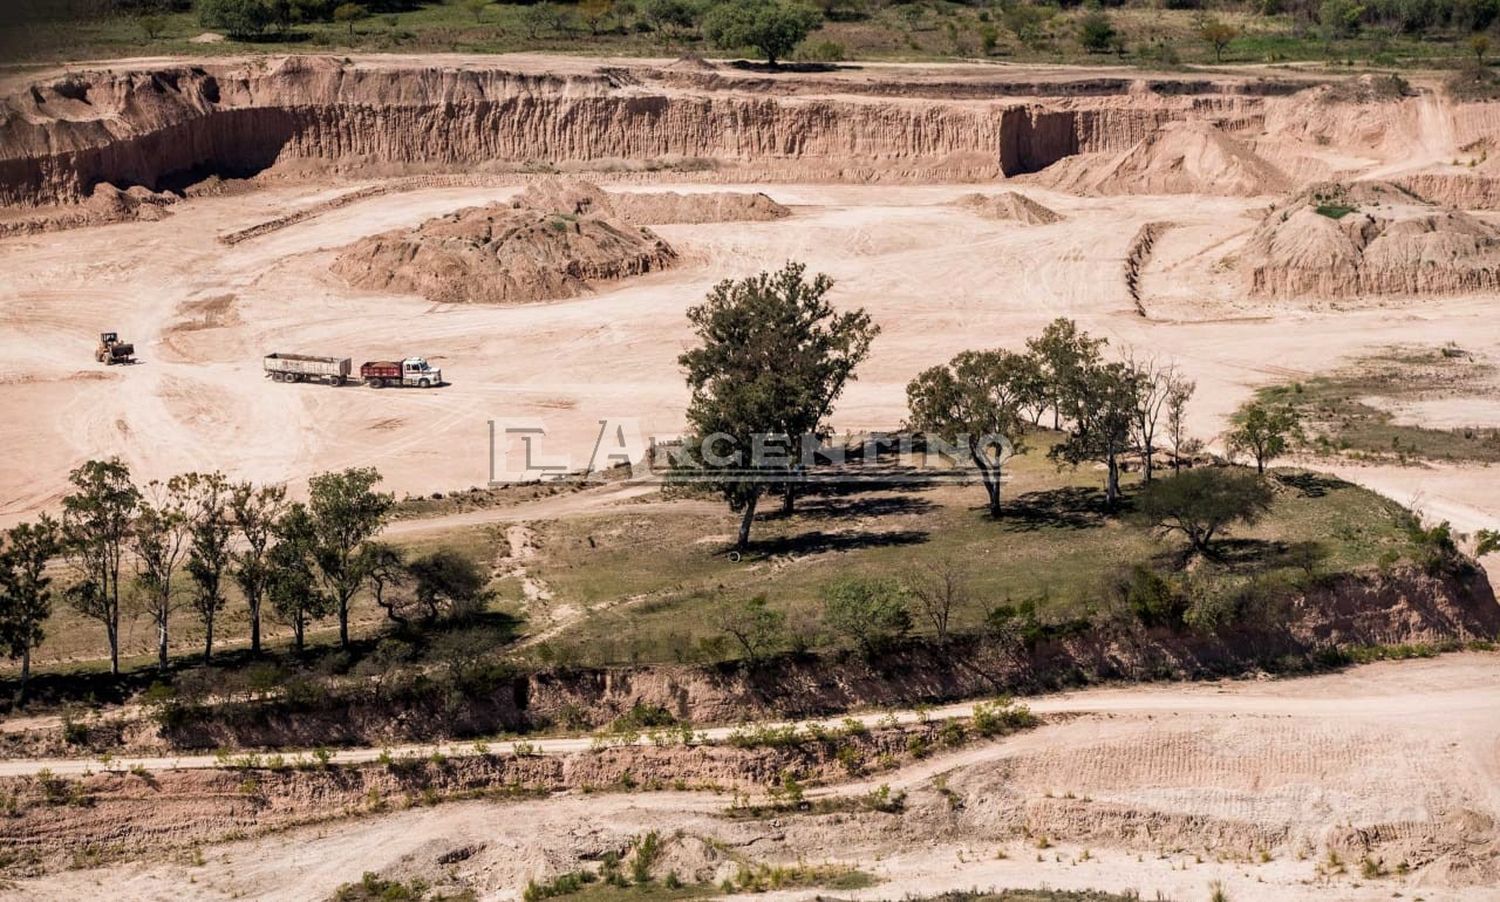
(1201, 503)
(774, 27)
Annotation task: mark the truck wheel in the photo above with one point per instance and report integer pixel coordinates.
(424, 383)
(336, 381)
(375, 383)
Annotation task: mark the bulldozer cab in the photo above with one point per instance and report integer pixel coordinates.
(108, 338)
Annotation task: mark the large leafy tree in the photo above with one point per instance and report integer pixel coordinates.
(1264, 431)
(26, 589)
(158, 543)
(292, 585)
(774, 27)
(347, 513)
(1100, 400)
(1201, 503)
(255, 512)
(774, 356)
(975, 400)
(1061, 350)
(871, 612)
(97, 519)
(209, 555)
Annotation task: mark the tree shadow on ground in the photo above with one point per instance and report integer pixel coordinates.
(1260, 555)
(817, 542)
(845, 506)
(1069, 507)
(784, 66)
(1312, 485)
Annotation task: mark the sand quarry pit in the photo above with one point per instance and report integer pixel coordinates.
(212, 212)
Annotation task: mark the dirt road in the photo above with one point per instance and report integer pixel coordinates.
(1157, 789)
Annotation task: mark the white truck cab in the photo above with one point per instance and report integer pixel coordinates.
(416, 371)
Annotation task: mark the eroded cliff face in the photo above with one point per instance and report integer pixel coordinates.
(162, 128)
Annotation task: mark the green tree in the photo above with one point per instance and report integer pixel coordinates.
(755, 625)
(1218, 35)
(241, 19)
(1061, 351)
(541, 17)
(1201, 503)
(1096, 33)
(347, 512)
(1179, 391)
(159, 541)
(1479, 45)
(670, 18)
(255, 512)
(774, 356)
(292, 585)
(349, 13)
(1487, 541)
(593, 13)
(448, 585)
(152, 26)
(1101, 399)
(97, 519)
(774, 27)
(1340, 18)
(209, 556)
(476, 8)
(1264, 432)
(941, 588)
(1027, 22)
(974, 401)
(871, 612)
(26, 590)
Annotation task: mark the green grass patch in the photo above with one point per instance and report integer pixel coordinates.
(653, 585)
(1334, 211)
(1347, 412)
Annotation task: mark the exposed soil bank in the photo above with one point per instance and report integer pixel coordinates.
(123, 813)
(1405, 607)
(169, 126)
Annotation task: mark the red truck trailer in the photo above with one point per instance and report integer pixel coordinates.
(411, 372)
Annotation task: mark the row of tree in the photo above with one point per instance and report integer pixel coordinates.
(158, 548)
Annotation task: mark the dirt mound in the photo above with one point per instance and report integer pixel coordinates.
(1181, 158)
(579, 198)
(503, 254)
(1372, 238)
(1010, 205)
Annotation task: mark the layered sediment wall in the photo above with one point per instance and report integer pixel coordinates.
(164, 127)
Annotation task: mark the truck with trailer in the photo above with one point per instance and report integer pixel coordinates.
(306, 368)
(413, 372)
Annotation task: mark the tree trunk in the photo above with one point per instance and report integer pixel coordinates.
(744, 538)
(297, 629)
(208, 640)
(1150, 465)
(992, 487)
(1112, 482)
(255, 628)
(112, 630)
(25, 673)
(789, 498)
(161, 644)
(343, 623)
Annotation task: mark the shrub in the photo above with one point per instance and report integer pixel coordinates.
(872, 612)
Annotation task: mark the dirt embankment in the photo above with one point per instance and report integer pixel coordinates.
(168, 126)
(1405, 607)
(1010, 205)
(49, 817)
(1337, 240)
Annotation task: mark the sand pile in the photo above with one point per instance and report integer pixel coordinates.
(1010, 206)
(1180, 158)
(1371, 238)
(651, 207)
(503, 254)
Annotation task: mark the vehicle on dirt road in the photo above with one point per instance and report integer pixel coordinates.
(306, 368)
(112, 350)
(413, 372)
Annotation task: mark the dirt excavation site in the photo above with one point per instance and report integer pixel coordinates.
(537, 228)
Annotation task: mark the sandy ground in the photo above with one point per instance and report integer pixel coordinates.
(938, 279)
(1398, 750)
